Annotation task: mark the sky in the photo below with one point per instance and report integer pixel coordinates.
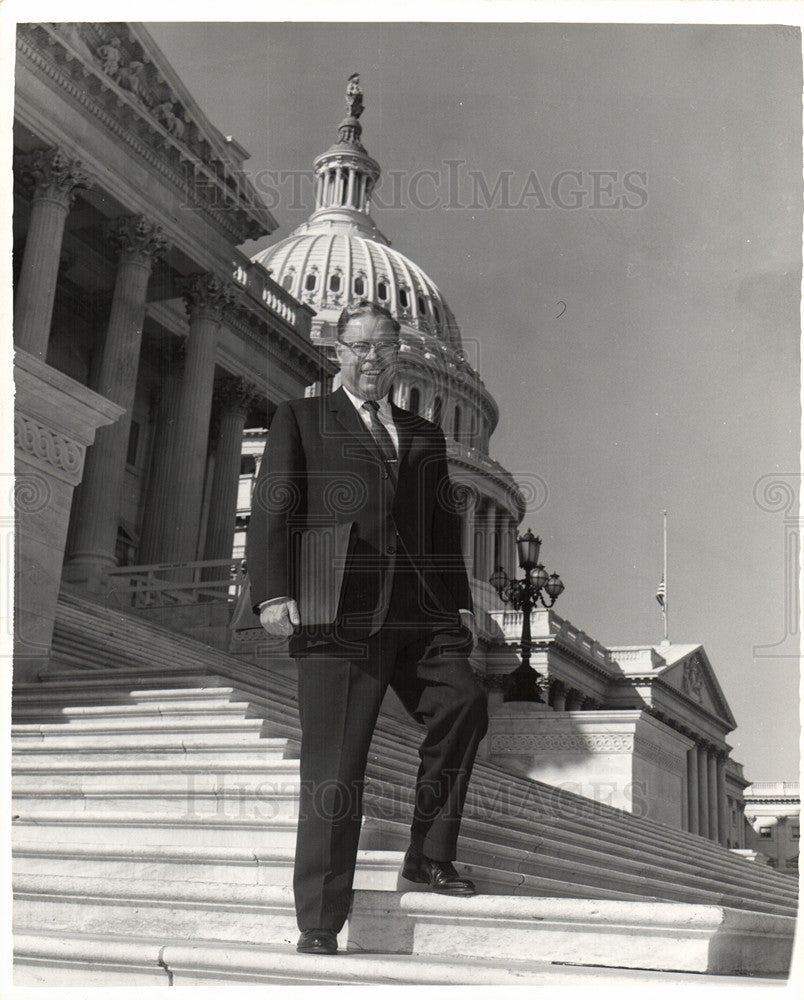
(631, 298)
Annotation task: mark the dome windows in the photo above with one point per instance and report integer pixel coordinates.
(360, 284)
(335, 282)
(310, 281)
(421, 304)
(436, 313)
(404, 298)
(382, 290)
(287, 282)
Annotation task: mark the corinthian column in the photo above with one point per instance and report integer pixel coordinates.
(692, 790)
(714, 812)
(233, 398)
(722, 803)
(55, 178)
(174, 529)
(94, 532)
(703, 791)
(489, 533)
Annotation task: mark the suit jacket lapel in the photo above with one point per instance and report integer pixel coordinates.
(349, 420)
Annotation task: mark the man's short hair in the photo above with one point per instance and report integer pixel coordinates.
(363, 308)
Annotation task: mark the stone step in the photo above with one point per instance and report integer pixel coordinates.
(641, 935)
(265, 793)
(180, 710)
(38, 696)
(108, 731)
(86, 961)
(128, 775)
(701, 845)
(165, 755)
(140, 828)
(494, 867)
(229, 865)
(264, 800)
(566, 856)
(616, 833)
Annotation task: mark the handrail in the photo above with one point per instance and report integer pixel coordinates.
(148, 587)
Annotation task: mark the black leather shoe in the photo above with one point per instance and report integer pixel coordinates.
(439, 875)
(318, 942)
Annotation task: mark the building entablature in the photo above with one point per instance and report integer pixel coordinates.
(102, 68)
(673, 706)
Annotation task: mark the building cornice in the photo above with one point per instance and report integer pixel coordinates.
(206, 183)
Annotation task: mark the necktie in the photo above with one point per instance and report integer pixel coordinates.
(379, 432)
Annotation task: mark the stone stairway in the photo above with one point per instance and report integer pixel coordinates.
(154, 800)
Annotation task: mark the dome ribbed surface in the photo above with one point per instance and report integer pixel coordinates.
(328, 269)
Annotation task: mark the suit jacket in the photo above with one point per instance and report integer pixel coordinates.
(322, 468)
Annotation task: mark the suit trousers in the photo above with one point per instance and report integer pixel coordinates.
(340, 693)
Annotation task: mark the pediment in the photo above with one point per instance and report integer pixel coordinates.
(693, 676)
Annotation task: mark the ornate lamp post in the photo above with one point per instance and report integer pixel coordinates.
(524, 595)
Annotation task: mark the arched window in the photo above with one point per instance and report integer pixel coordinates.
(287, 281)
(335, 283)
(415, 400)
(456, 424)
(309, 282)
(360, 285)
(436, 313)
(403, 298)
(438, 407)
(382, 291)
(421, 304)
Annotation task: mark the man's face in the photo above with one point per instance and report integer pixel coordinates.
(370, 376)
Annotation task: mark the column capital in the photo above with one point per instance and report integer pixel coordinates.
(208, 293)
(235, 393)
(137, 239)
(53, 174)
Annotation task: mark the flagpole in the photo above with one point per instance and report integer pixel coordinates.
(666, 588)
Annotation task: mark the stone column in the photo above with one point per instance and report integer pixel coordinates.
(574, 700)
(55, 178)
(724, 815)
(166, 400)
(350, 190)
(233, 397)
(558, 695)
(703, 791)
(714, 809)
(479, 547)
(173, 526)
(467, 530)
(512, 560)
(94, 531)
(502, 540)
(692, 790)
(489, 530)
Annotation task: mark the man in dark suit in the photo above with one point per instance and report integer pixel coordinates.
(354, 552)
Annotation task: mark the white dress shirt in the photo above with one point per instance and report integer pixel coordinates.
(384, 414)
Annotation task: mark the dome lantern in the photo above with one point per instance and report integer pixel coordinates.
(346, 175)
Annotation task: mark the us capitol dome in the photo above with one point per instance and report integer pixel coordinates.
(339, 256)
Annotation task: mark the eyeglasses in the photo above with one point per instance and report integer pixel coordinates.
(362, 348)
